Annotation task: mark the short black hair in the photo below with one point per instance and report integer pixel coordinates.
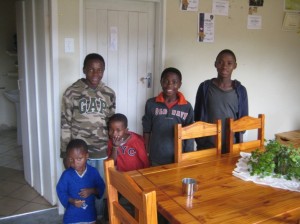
(93, 56)
(226, 51)
(171, 70)
(77, 144)
(118, 117)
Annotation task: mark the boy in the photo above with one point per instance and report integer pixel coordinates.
(221, 98)
(161, 114)
(86, 106)
(79, 185)
(125, 147)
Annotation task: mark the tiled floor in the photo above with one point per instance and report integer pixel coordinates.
(16, 196)
(48, 216)
(19, 202)
(10, 153)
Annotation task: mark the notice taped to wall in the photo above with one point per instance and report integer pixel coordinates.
(206, 27)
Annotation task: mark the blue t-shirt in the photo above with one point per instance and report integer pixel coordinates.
(69, 186)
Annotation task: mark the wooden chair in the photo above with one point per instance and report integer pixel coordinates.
(197, 130)
(144, 202)
(244, 124)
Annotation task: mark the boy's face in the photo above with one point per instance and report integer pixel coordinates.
(77, 159)
(93, 71)
(170, 84)
(225, 64)
(117, 130)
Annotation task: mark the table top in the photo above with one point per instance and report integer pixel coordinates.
(289, 135)
(289, 138)
(221, 198)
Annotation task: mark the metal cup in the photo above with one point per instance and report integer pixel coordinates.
(189, 186)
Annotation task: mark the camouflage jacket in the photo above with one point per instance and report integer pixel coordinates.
(84, 115)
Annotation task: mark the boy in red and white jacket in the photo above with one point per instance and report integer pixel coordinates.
(125, 147)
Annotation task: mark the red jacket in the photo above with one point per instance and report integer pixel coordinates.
(132, 155)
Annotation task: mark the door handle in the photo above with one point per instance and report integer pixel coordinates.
(149, 79)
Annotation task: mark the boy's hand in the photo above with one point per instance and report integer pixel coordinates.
(85, 192)
(76, 202)
(118, 141)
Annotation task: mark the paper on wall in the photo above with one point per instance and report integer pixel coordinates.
(113, 43)
(220, 7)
(291, 21)
(254, 22)
(189, 5)
(206, 27)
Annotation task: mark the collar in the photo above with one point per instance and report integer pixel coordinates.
(181, 99)
(82, 173)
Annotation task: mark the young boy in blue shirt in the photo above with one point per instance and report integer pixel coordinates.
(79, 185)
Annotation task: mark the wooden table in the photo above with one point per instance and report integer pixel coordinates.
(222, 197)
(289, 138)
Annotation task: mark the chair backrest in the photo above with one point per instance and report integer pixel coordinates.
(144, 202)
(197, 130)
(243, 124)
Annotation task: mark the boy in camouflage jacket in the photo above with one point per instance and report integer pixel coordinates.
(86, 107)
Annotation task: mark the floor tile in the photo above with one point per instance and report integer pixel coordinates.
(16, 196)
(3, 148)
(8, 206)
(6, 173)
(25, 193)
(49, 216)
(7, 187)
(17, 177)
(40, 200)
(17, 166)
(5, 160)
(31, 207)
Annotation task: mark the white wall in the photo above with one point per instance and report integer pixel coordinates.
(268, 59)
(70, 67)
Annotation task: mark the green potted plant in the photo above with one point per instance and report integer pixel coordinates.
(277, 160)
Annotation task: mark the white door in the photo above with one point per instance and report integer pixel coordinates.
(36, 96)
(123, 33)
